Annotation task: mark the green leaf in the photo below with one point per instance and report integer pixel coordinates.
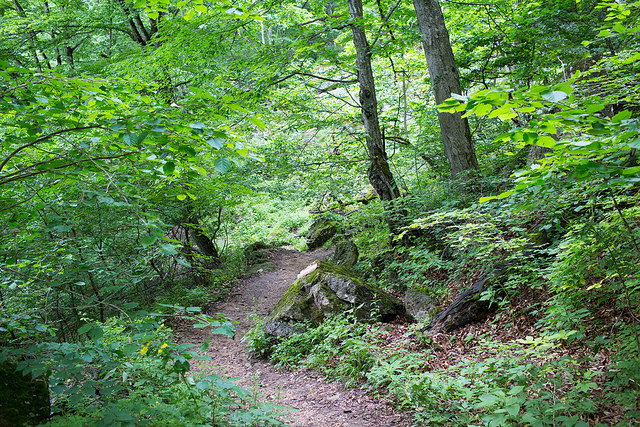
(505, 194)
(482, 109)
(635, 143)
(486, 199)
(526, 109)
(95, 333)
(130, 139)
(554, 95)
(216, 142)
(508, 115)
(85, 328)
(631, 171)
(169, 167)
(548, 128)
(622, 115)
(546, 141)
(205, 345)
(487, 400)
(185, 346)
(168, 249)
(516, 390)
(236, 107)
(227, 329)
(200, 8)
(189, 14)
(130, 349)
(256, 121)
(619, 28)
(594, 108)
(148, 240)
(181, 197)
(183, 262)
(222, 165)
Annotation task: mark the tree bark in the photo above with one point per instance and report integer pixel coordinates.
(379, 173)
(445, 80)
(205, 245)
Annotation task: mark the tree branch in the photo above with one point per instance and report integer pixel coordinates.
(298, 73)
(7, 180)
(44, 138)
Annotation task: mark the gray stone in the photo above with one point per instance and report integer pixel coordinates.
(329, 289)
(419, 305)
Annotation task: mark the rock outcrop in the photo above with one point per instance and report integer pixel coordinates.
(257, 257)
(419, 305)
(320, 232)
(330, 288)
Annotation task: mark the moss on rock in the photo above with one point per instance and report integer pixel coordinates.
(330, 288)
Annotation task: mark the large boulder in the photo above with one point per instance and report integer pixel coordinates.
(320, 232)
(330, 288)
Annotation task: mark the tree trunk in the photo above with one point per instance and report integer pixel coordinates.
(445, 80)
(205, 245)
(379, 172)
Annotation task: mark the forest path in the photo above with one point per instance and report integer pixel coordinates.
(318, 403)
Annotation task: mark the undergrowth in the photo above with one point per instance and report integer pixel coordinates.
(563, 349)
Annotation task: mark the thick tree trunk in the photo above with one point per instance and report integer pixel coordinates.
(445, 81)
(379, 173)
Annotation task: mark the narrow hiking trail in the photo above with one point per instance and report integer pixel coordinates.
(318, 403)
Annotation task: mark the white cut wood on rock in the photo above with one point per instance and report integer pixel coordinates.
(309, 269)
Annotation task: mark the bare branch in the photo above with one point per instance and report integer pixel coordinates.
(44, 138)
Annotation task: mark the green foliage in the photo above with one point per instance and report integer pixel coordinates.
(339, 347)
(131, 372)
(266, 217)
(101, 172)
(259, 343)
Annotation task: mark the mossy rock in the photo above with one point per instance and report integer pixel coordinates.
(263, 267)
(257, 257)
(257, 253)
(346, 254)
(329, 289)
(320, 232)
(420, 304)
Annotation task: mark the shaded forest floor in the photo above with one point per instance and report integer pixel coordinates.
(315, 402)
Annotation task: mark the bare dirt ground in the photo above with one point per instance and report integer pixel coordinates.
(316, 402)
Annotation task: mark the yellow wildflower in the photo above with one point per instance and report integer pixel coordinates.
(162, 347)
(144, 349)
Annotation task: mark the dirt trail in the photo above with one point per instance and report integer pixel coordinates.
(319, 403)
